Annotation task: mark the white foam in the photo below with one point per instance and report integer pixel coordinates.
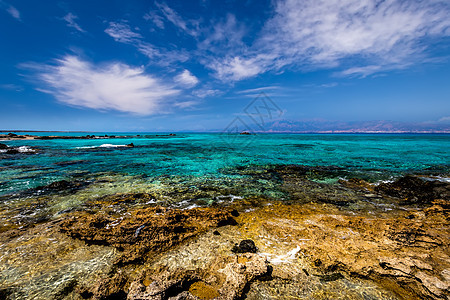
(103, 146)
(25, 149)
(291, 255)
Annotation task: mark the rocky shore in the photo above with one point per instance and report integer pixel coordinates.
(349, 240)
(22, 137)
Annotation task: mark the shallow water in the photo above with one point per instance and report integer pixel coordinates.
(373, 156)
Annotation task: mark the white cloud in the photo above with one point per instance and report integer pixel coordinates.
(311, 34)
(187, 79)
(122, 32)
(113, 86)
(238, 68)
(70, 19)
(205, 92)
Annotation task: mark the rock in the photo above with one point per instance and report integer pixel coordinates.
(237, 275)
(245, 246)
(245, 133)
(143, 231)
(131, 145)
(163, 288)
(415, 189)
(12, 151)
(3, 146)
(240, 274)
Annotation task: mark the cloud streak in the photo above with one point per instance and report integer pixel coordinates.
(112, 86)
(122, 33)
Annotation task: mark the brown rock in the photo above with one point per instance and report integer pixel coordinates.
(144, 231)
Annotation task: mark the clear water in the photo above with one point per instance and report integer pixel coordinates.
(376, 157)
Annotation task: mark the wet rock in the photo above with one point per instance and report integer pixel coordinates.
(164, 287)
(415, 189)
(131, 145)
(143, 231)
(105, 288)
(240, 274)
(12, 151)
(61, 186)
(236, 276)
(3, 146)
(245, 246)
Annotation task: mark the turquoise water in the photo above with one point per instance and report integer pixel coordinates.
(372, 156)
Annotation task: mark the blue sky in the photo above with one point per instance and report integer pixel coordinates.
(195, 65)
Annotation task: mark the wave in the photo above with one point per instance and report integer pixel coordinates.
(21, 149)
(103, 146)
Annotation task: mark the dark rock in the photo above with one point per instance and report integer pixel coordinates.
(235, 213)
(3, 146)
(12, 151)
(245, 246)
(415, 189)
(215, 232)
(131, 145)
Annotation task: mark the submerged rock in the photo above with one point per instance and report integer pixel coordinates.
(415, 189)
(3, 146)
(144, 231)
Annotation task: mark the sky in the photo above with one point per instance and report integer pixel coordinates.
(198, 65)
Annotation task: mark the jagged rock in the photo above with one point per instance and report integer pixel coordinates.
(3, 146)
(131, 145)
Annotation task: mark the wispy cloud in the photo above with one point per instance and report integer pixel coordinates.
(156, 19)
(113, 86)
(311, 34)
(14, 12)
(122, 33)
(11, 87)
(260, 89)
(70, 19)
(173, 17)
(187, 79)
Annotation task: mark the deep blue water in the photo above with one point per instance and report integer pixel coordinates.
(376, 156)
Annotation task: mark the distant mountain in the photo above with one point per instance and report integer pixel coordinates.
(324, 126)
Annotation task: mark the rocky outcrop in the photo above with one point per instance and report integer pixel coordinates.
(144, 231)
